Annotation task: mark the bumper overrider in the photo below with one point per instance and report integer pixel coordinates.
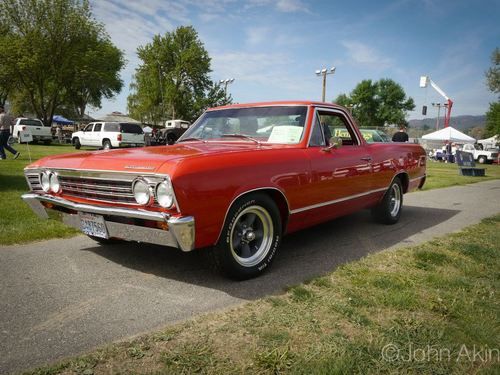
(121, 223)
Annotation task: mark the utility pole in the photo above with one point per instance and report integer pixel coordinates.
(438, 105)
(324, 72)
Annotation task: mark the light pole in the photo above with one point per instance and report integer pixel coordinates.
(226, 82)
(324, 72)
(439, 105)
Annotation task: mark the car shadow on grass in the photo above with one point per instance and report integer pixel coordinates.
(303, 255)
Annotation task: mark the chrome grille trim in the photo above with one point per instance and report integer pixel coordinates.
(100, 186)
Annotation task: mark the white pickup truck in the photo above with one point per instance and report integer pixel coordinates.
(481, 156)
(108, 135)
(38, 130)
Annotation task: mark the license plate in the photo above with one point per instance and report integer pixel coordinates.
(93, 225)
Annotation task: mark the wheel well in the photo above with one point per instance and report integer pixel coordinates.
(106, 139)
(74, 140)
(278, 197)
(405, 180)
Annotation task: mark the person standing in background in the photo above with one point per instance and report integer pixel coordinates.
(5, 125)
(401, 135)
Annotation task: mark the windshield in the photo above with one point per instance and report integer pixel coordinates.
(275, 124)
(374, 135)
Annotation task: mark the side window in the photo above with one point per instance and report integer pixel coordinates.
(338, 127)
(317, 137)
(97, 127)
(111, 127)
(88, 128)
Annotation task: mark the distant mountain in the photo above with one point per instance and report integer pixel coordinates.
(458, 122)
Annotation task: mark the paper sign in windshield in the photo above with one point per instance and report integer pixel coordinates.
(285, 134)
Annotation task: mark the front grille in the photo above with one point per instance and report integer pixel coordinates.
(109, 187)
(98, 189)
(34, 182)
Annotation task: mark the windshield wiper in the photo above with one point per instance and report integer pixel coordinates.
(189, 139)
(242, 136)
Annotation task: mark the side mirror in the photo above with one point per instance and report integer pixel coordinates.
(334, 142)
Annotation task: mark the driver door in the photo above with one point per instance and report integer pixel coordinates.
(87, 135)
(341, 174)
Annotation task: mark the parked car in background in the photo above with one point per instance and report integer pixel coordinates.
(240, 178)
(171, 132)
(480, 155)
(108, 135)
(39, 131)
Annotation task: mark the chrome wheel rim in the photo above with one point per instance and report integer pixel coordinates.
(251, 236)
(106, 146)
(395, 200)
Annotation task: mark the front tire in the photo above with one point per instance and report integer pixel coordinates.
(482, 160)
(250, 237)
(77, 144)
(389, 209)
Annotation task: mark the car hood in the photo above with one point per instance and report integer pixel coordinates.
(145, 159)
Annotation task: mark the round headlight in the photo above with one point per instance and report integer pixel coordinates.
(55, 186)
(165, 194)
(142, 193)
(45, 181)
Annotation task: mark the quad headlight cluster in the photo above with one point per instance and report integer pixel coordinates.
(50, 182)
(144, 192)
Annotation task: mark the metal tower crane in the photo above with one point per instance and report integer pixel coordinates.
(424, 81)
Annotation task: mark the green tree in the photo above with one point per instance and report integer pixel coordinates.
(96, 77)
(173, 80)
(493, 120)
(46, 49)
(377, 103)
(493, 73)
(493, 79)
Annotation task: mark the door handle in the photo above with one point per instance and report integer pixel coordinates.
(367, 158)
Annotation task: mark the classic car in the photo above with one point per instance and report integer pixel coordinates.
(238, 179)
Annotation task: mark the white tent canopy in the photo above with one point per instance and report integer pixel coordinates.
(449, 134)
(492, 141)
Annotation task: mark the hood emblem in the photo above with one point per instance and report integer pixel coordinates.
(139, 167)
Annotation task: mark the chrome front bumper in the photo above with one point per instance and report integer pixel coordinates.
(180, 232)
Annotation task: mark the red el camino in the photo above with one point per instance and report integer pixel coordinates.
(237, 181)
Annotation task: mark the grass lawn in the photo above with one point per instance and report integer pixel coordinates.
(18, 224)
(441, 175)
(432, 308)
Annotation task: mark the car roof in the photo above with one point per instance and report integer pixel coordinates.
(278, 103)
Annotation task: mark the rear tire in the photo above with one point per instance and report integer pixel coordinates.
(106, 145)
(389, 209)
(171, 138)
(250, 238)
(77, 143)
(482, 160)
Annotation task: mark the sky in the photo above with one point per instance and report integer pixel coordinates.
(272, 48)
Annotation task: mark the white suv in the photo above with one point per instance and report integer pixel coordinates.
(38, 130)
(107, 135)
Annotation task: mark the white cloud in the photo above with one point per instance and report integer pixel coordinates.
(362, 54)
(270, 71)
(257, 35)
(290, 6)
(287, 6)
